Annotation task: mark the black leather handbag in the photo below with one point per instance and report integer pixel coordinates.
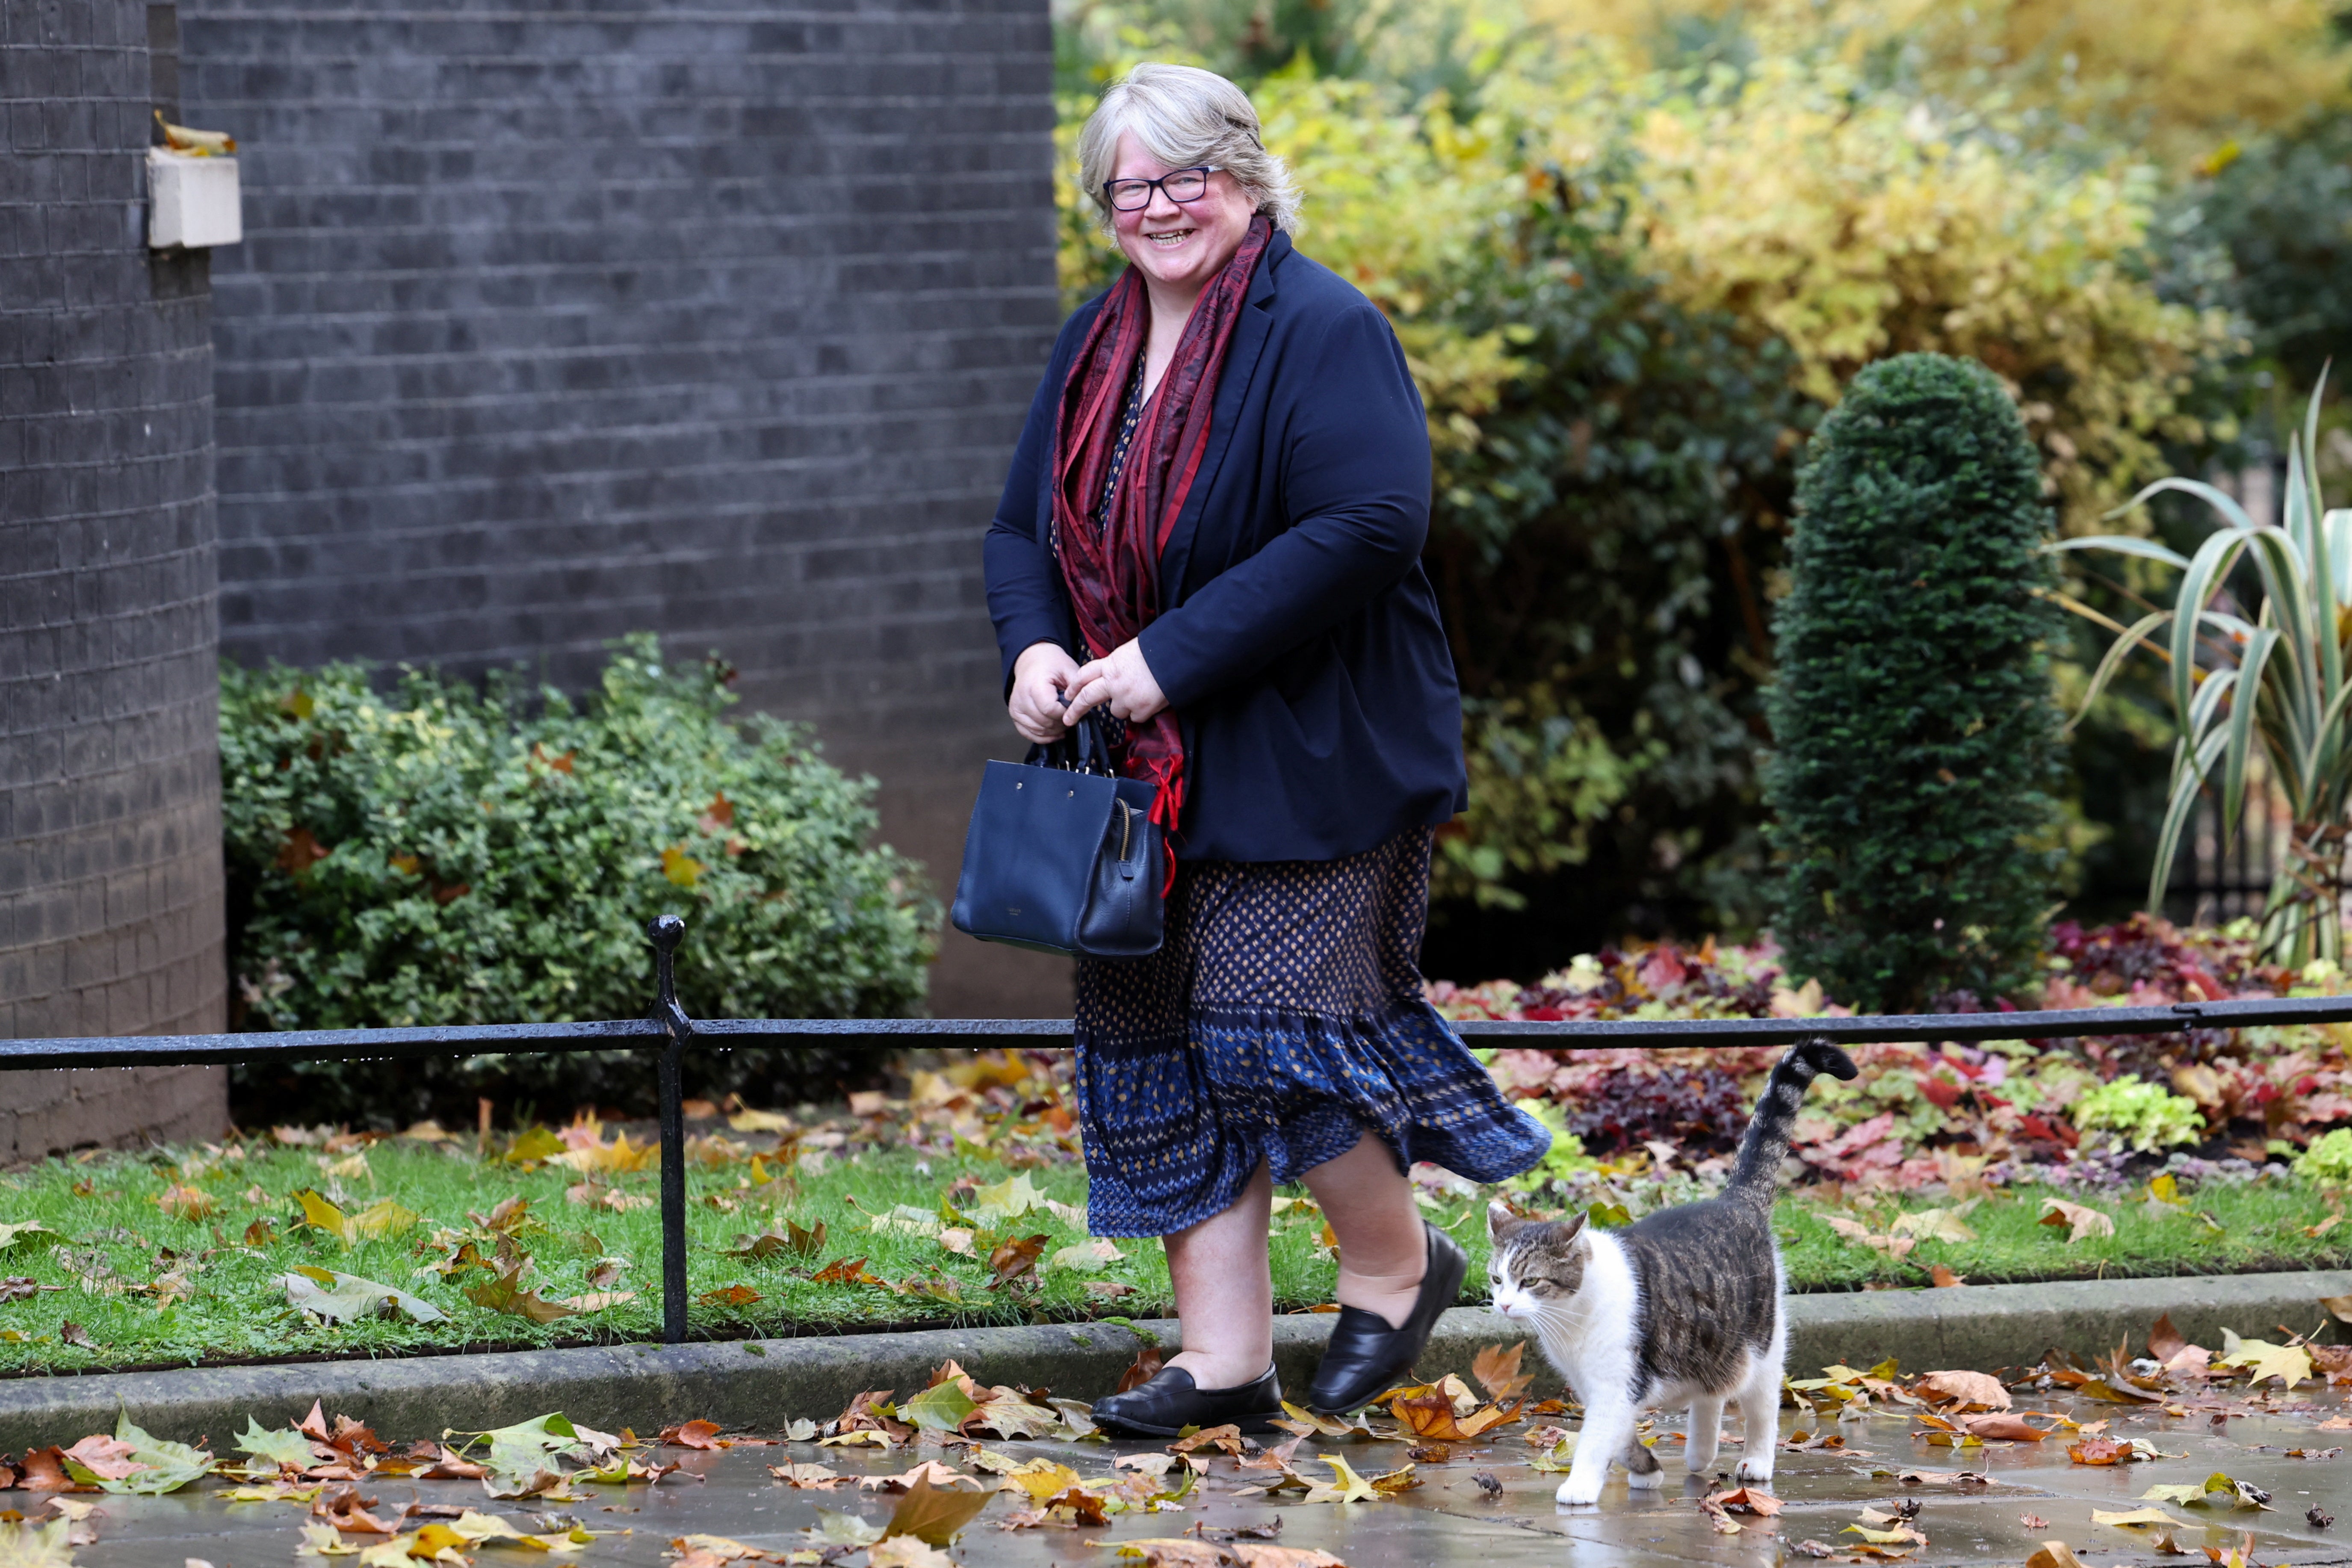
(1062, 855)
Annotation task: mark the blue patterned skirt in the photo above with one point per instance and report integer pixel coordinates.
(1281, 1019)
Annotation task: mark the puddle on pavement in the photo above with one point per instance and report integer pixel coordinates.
(1448, 1519)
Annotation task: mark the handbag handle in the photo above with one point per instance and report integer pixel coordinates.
(1081, 750)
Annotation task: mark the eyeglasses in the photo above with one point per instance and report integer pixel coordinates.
(1180, 186)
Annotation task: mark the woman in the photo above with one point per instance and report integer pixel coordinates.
(1211, 534)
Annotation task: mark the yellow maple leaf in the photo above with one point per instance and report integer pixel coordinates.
(2264, 1361)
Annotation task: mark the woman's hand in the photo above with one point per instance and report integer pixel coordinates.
(1121, 681)
(1041, 676)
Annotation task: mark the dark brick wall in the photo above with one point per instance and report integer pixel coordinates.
(555, 322)
(110, 789)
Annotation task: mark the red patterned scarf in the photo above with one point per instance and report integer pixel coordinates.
(1113, 575)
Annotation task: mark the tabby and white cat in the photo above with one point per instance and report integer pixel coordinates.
(1681, 1308)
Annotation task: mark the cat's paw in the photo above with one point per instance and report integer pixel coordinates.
(1758, 1469)
(1648, 1480)
(1579, 1491)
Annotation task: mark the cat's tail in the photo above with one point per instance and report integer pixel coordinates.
(1758, 1175)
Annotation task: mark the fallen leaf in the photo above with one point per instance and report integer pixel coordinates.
(1498, 1372)
(733, 1295)
(187, 1202)
(2132, 1519)
(2263, 1361)
(1943, 1278)
(1346, 1486)
(2079, 1219)
(846, 1271)
(1933, 1224)
(504, 1292)
(346, 1298)
(2054, 1555)
(693, 1434)
(934, 1514)
(1252, 1554)
(1172, 1552)
(1016, 1258)
(1962, 1389)
(907, 1552)
(1087, 1257)
(1141, 1370)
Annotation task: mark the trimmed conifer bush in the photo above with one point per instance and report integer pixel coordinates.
(1917, 739)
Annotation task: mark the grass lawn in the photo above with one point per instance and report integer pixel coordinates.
(138, 1284)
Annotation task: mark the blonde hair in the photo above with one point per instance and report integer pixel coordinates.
(1184, 116)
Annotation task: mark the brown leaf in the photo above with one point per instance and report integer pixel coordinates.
(2032, 1522)
(187, 1202)
(846, 1271)
(733, 1295)
(1084, 1508)
(2053, 1554)
(450, 1468)
(1016, 1260)
(300, 852)
(693, 1434)
(934, 1514)
(74, 1334)
(504, 1294)
(1747, 1499)
(2341, 1306)
(1498, 1372)
(44, 1470)
(2079, 1219)
(2164, 1340)
(1962, 1389)
(1273, 1458)
(1428, 1415)
(343, 1508)
(1249, 1554)
(1174, 1552)
(1225, 1439)
(2004, 1428)
(1943, 1278)
(1141, 1370)
(2099, 1451)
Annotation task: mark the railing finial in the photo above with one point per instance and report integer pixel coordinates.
(665, 931)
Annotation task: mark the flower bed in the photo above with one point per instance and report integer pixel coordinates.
(2099, 1112)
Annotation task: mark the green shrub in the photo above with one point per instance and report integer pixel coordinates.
(1916, 734)
(2145, 1117)
(2328, 1159)
(449, 855)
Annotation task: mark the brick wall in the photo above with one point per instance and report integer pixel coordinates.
(110, 789)
(553, 323)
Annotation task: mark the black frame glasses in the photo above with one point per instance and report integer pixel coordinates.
(1112, 188)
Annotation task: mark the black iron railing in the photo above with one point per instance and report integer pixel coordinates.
(668, 1024)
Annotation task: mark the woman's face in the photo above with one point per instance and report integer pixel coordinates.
(1178, 245)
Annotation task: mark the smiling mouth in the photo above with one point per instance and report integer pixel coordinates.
(1169, 238)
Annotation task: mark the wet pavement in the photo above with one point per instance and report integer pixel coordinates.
(2031, 1493)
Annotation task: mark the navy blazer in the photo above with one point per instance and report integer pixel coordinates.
(1298, 639)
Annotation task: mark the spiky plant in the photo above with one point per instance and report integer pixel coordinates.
(2276, 682)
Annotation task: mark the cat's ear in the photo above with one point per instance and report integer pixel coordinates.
(1500, 1221)
(1571, 1231)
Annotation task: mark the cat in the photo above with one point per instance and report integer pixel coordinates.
(1682, 1307)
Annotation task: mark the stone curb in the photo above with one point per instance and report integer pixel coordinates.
(762, 1383)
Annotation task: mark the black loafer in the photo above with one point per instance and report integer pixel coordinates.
(1171, 1402)
(1366, 1357)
